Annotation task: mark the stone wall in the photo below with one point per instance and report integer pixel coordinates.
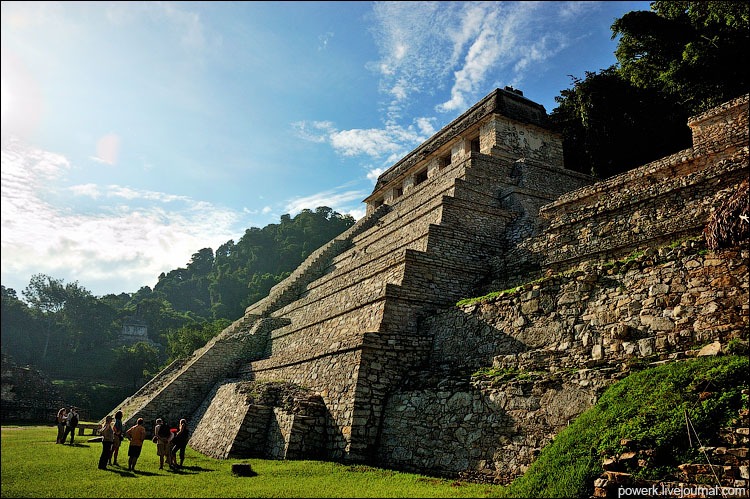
(560, 341)
(656, 203)
(267, 420)
(28, 396)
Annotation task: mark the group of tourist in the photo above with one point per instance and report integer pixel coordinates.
(67, 421)
(169, 443)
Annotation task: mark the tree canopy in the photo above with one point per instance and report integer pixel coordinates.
(674, 61)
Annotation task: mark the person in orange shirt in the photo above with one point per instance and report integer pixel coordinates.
(136, 434)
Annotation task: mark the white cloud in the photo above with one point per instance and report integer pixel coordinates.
(373, 142)
(573, 10)
(373, 174)
(86, 190)
(389, 142)
(129, 243)
(340, 199)
(324, 39)
(313, 131)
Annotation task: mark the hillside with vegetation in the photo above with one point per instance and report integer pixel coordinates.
(73, 336)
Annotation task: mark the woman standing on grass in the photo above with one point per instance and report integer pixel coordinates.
(117, 426)
(162, 437)
(108, 433)
(62, 416)
(179, 442)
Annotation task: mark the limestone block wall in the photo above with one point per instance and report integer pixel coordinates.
(269, 420)
(512, 139)
(481, 432)
(669, 198)
(216, 433)
(334, 377)
(723, 125)
(566, 337)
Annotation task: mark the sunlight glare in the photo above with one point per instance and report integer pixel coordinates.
(5, 99)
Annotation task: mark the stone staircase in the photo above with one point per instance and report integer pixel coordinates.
(288, 290)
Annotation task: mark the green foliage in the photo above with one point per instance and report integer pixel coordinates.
(133, 365)
(494, 294)
(690, 51)
(649, 407)
(96, 397)
(221, 285)
(497, 376)
(677, 60)
(735, 346)
(33, 466)
(182, 342)
(603, 115)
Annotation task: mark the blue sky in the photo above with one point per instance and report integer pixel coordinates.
(135, 134)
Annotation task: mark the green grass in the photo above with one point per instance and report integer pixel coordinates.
(648, 407)
(34, 466)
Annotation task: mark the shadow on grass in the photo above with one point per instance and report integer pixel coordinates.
(188, 470)
(136, 472)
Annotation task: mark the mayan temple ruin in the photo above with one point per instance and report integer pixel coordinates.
(362, 355)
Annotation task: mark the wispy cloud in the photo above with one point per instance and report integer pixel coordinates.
(463, 48)
(324, 39)
(182, 23)
(377, 143)
(341, 199)
(129, 237)
(459, 49)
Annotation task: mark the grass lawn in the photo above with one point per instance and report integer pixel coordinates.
(34, 466)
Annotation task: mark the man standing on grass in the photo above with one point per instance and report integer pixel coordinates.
(71, 421)
(136, 434)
